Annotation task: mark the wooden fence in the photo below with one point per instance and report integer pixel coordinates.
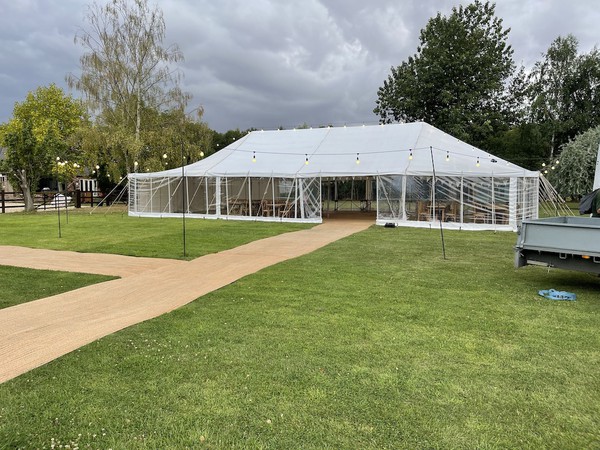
(46, 200)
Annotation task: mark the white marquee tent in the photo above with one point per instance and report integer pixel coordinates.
(409, 174)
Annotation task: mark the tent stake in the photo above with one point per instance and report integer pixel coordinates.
(434, 200)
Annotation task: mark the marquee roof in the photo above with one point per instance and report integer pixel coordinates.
(349, 151)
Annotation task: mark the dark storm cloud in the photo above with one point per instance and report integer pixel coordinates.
(270, 63)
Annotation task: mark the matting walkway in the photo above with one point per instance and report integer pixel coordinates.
(34, 333)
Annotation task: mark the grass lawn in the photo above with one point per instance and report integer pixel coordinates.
(19, 285)
(115, 232)
(374, 341)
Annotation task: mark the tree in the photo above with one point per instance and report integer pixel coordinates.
(126, 69)
(456, 80)
(573, 174)
(222, 140)
(549, 91)
(37, 134)
(564, 92)
(116, 152)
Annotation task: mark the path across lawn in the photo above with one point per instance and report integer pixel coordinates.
(34, 333)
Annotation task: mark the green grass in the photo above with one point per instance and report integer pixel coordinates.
(115, 232)
(372, 342)
(19, 285)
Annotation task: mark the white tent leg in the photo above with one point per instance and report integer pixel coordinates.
(512, 202)
(301, 189)
(218, 199)
(403, 201)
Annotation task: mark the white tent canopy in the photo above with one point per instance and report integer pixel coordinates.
(397, 160)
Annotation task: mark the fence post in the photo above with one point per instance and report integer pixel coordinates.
(2, 201)
(77, 198)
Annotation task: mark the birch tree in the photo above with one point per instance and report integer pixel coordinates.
(126, 69)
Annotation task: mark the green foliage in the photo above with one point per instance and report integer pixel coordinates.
(372, 342)
(38, 133)
(524, 144)
(130, 83)
(116, 151)
(563, 91)
(222, 140)
(125, 67)
(456, 79)
(27, 160)
(573, 174)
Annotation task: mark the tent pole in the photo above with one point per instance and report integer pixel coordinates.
(434, 209)
(183, 197)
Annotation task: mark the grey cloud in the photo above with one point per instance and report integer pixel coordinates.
(268, 63)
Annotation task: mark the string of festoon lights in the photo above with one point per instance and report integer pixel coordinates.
(477, 159)
(552, 166)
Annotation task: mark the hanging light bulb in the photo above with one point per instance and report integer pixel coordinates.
(543, 164)
(477, 162)
(201, 154)
(447, 155)
(306, 159)
(253, 157)
(410, 154)
(357, 159)
(557, 161)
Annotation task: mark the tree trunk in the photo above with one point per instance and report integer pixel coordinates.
(138, 116)
(26, 190)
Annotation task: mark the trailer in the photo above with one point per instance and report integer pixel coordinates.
(571, 243)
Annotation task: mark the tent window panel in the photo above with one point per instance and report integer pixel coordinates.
(224, 192)
(155, 194)
(478, 200)
(390, 197)
(447, 199)
(286, 198)
(212, 195)
(527, 198)
(262, 201)
(177, 197)
(238, 200)
(501, 201)
(418, 199)
(312, 198)
(197, 195)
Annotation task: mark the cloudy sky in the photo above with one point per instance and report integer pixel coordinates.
(271, 63)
